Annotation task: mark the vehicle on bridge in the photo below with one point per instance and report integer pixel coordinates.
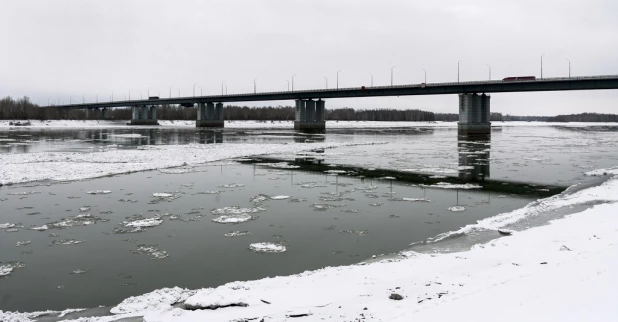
(518, 78)
(153, 97)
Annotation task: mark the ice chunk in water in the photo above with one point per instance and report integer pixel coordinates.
(279, 197)
(151, 250)
(237, 233)
(162, 195)
(22, 243)
(446, 185)
(414, 199)
(98, 192)
(232, 219)
(80, 271)
(356, 232)
(66, 242)
(142, 223)
(7, 268)
(40, 228)
(7, 225)
(232, 185)
(267, 248)
(457, 208)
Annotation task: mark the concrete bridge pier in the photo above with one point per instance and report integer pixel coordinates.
(105, 113)
(474, 114)
(144, 115)
(209, 115)
(310, 115)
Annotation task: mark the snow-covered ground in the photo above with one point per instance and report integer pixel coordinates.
(274, 124)
(564, 271)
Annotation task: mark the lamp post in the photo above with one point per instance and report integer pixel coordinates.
(129, 94)
(489, 71)
(424, 71)
(254, 86)
(392, 75)
(326, 82)
(338, 78)
(370, 74)
(222, 83)
(542, 65)
(194, 89)
(458, 70)
(149, 92)
(569, 67)
(97, 97)
(171, 91)
(293, 81)
(112, 96)
(201, 92)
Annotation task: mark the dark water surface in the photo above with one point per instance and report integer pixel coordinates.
(325, 220)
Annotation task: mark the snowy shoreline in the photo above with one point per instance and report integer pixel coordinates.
(563, 271)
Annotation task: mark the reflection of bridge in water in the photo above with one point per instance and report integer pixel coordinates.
(474, 168)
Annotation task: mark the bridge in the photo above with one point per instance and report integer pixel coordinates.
(474, 103)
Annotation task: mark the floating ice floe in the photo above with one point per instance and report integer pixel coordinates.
(7, 225)
(279, 197)
(603, 172)
(324, 206)
(267, 248)
(22, 243)
(80, 271)
(280, 165)
(335, 171)
(231, 185)
(180, 170)
(12, 230)
(162, 195)
(143, 223)
(234, 210)
(376, 204)
(446, 185)
(40, 228)
(457, 208)
(7, 268)
(259, 199)
(150, 250)
(415, 199)
(98, 192)
(84, 209)
(66, 242)
(209, 192)
(350, 211)
(237, 233)
(25, 193)
(356, 232)
(232, 219)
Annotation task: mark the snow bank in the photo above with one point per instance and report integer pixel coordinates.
(20, 168)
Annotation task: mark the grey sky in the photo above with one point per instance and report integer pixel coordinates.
(61, 48)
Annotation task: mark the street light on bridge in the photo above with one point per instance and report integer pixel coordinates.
(489, 71)
(425, 75)
(392, 75)
(222, 83)
(326, 81)
(254, 86)
(194, 89)
(569, 67)
(458, 70)
(338, 78)
(542, 65)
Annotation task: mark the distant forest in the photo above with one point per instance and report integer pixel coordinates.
(23, 109)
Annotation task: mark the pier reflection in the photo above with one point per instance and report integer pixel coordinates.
(474, 158)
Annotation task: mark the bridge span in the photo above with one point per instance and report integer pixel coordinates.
(474, 103)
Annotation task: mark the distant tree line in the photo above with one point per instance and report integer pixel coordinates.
(584, 117)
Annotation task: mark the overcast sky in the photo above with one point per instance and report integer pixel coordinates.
(61, 48)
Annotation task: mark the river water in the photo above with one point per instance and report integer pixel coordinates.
(113, 237)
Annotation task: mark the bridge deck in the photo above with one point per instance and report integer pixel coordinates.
(497, 86)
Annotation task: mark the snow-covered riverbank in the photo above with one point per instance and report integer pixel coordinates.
(564, 271)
